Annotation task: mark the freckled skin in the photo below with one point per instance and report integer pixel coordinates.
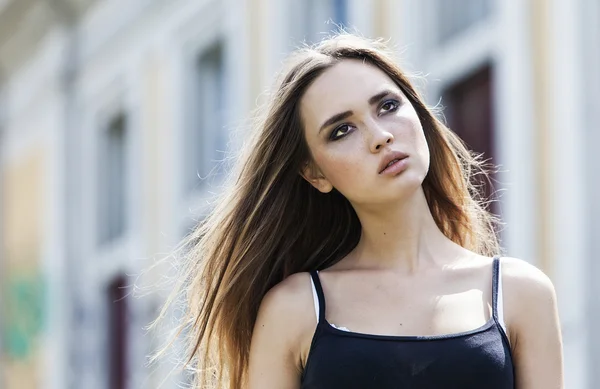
(404, 277)
(350, 164)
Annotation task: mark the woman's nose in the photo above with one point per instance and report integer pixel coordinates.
(380, 137)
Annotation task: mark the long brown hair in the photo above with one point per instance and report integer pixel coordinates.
(269, 222)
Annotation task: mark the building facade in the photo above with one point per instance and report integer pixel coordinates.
(112, 111)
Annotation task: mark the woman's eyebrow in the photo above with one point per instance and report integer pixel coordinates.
(341, 116)
(375, 99)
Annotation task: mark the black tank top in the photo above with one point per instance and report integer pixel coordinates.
(475, 359)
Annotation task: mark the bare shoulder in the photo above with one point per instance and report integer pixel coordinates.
(525, 279)
(529, 296)
(291, 295)
(281, 332)
(531, 316)
(287, 309)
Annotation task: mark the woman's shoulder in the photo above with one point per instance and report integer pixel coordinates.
(525, 277)
(284, 328)
(294, 290)
(286, 308)
(528, 293)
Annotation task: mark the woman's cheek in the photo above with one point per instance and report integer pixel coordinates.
(342, 172)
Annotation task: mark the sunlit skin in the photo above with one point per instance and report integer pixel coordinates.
(349, 151)
(405, 277)
(347, 154)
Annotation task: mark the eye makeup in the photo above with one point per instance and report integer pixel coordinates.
(333, 136)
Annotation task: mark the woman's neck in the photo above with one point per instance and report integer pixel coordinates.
(403, 237)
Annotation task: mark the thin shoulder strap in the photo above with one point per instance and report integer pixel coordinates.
(497, 300)
(318, 296)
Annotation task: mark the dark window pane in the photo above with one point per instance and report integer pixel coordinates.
(469, 113)
(112, 175)
(117, 333)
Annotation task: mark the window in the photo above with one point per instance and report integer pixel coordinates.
(340, 11)
(313, 19)
(117, 333)
(207, 138)
(456, 16)
(469, 113)
(112, 169)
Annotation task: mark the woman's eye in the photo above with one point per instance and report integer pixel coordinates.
(390, 106)
(340, 131)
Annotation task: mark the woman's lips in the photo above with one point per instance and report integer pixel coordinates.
(396, 168)
(389, 157)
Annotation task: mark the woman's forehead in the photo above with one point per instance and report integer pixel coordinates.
(345, 86)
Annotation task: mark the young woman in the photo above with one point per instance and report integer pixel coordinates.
(354, 251)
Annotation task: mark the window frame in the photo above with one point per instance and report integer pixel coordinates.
(200, 131)
(103, 205)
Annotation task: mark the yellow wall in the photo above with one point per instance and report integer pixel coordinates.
(22, 280)
(540, 14)
(381, 18)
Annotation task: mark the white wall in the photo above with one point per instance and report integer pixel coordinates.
(123, 44)
(589, 12)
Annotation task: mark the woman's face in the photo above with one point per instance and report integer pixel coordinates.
(356, 119)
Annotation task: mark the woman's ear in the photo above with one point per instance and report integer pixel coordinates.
(313, 175)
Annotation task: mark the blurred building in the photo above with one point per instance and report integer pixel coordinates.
(111, 110)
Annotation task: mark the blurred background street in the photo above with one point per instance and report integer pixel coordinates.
(111, 110)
